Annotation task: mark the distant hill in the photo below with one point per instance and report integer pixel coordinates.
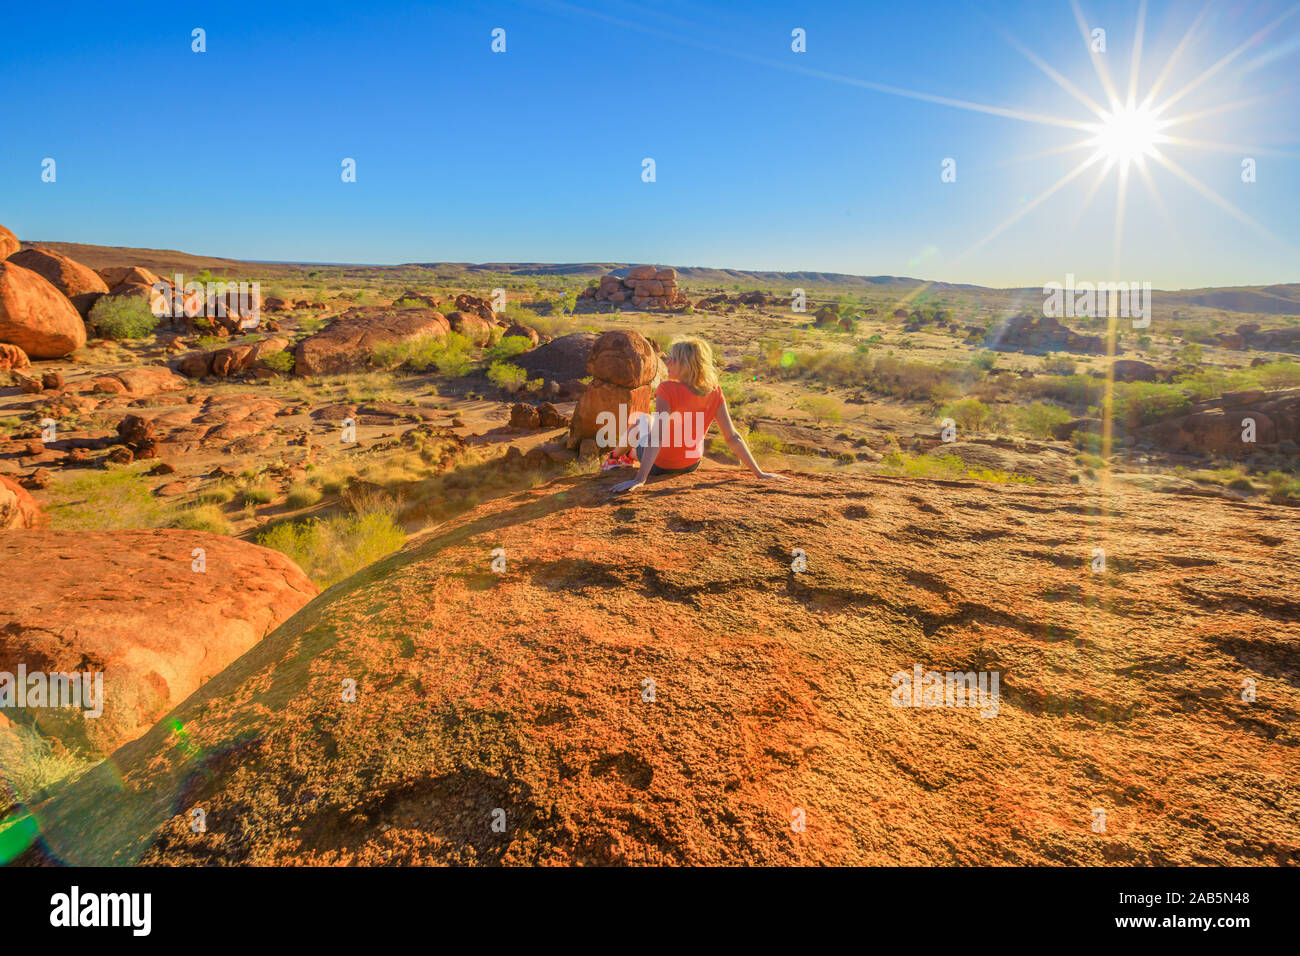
(1276, 299)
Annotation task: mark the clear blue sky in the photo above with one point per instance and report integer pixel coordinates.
(766, 158)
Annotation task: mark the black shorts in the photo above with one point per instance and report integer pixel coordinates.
(655, 470)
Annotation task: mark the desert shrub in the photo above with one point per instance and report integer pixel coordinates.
(258, 493)
(1077, 391)
(302, 495)
(1059, 365)
(508, 348)
(334, 548)
(1088, 442)
(217, 494)
(30, 765)
(1283, 373)
(123, 317)
(917, 380)
(1140, 403)
(1038, 419)
(1282, 487)
(201, 518)
(1189, 353)
(970, 414)
(104, 500)
(507, 376)
(985, 361)
(279, 362)
(448, 355)
(947, 466)
(822, 408)
(762, 443)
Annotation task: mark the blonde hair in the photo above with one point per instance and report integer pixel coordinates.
(694, 361)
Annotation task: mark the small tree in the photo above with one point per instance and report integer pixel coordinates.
(822, 408)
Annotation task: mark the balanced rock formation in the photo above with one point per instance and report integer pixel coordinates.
(648, 682)
(37, 317)
(644, 287)
(623, 366)
(348, 343)
(1041, 333)
(477, 306)
(79, 283)
(143, 608)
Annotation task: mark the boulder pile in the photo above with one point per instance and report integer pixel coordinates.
(644, 287)
(1041, 333)
(1220, 426)
(623, 366)
(1251, 336)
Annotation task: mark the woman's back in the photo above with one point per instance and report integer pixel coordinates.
(681, 435)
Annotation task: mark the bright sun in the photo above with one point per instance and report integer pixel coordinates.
(1127, 134)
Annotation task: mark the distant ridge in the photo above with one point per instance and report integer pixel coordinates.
(1274, 299)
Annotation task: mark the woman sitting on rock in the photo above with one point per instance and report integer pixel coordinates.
(671, 442)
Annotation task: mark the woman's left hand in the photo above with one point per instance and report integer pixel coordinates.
(623, 486)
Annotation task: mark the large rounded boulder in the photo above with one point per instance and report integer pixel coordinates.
(81, 284)
(35, 316)
(471, 325)
(156, 612)
(18, 509)
(623, 357)
(560, 360)
(349, 343)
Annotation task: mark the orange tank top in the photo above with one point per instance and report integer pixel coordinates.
(681, 433)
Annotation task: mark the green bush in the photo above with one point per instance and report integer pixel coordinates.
(1059, 365)
(1037, 419)
(257, 494)
(123, 317)
(507, 376)
(1141, 403)
(202, 518)
(508, 348)
(279, 362)
(448, 355)
(302, 495)
(947, 466)
(1281, 486)
(332, 549)
(970, 414)
(822, 408)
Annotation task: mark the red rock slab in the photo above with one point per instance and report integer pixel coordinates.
(131, 605)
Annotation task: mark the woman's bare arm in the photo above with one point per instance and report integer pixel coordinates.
(736, 442)
(650, 453)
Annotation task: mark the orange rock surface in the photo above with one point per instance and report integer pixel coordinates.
(527, 691)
